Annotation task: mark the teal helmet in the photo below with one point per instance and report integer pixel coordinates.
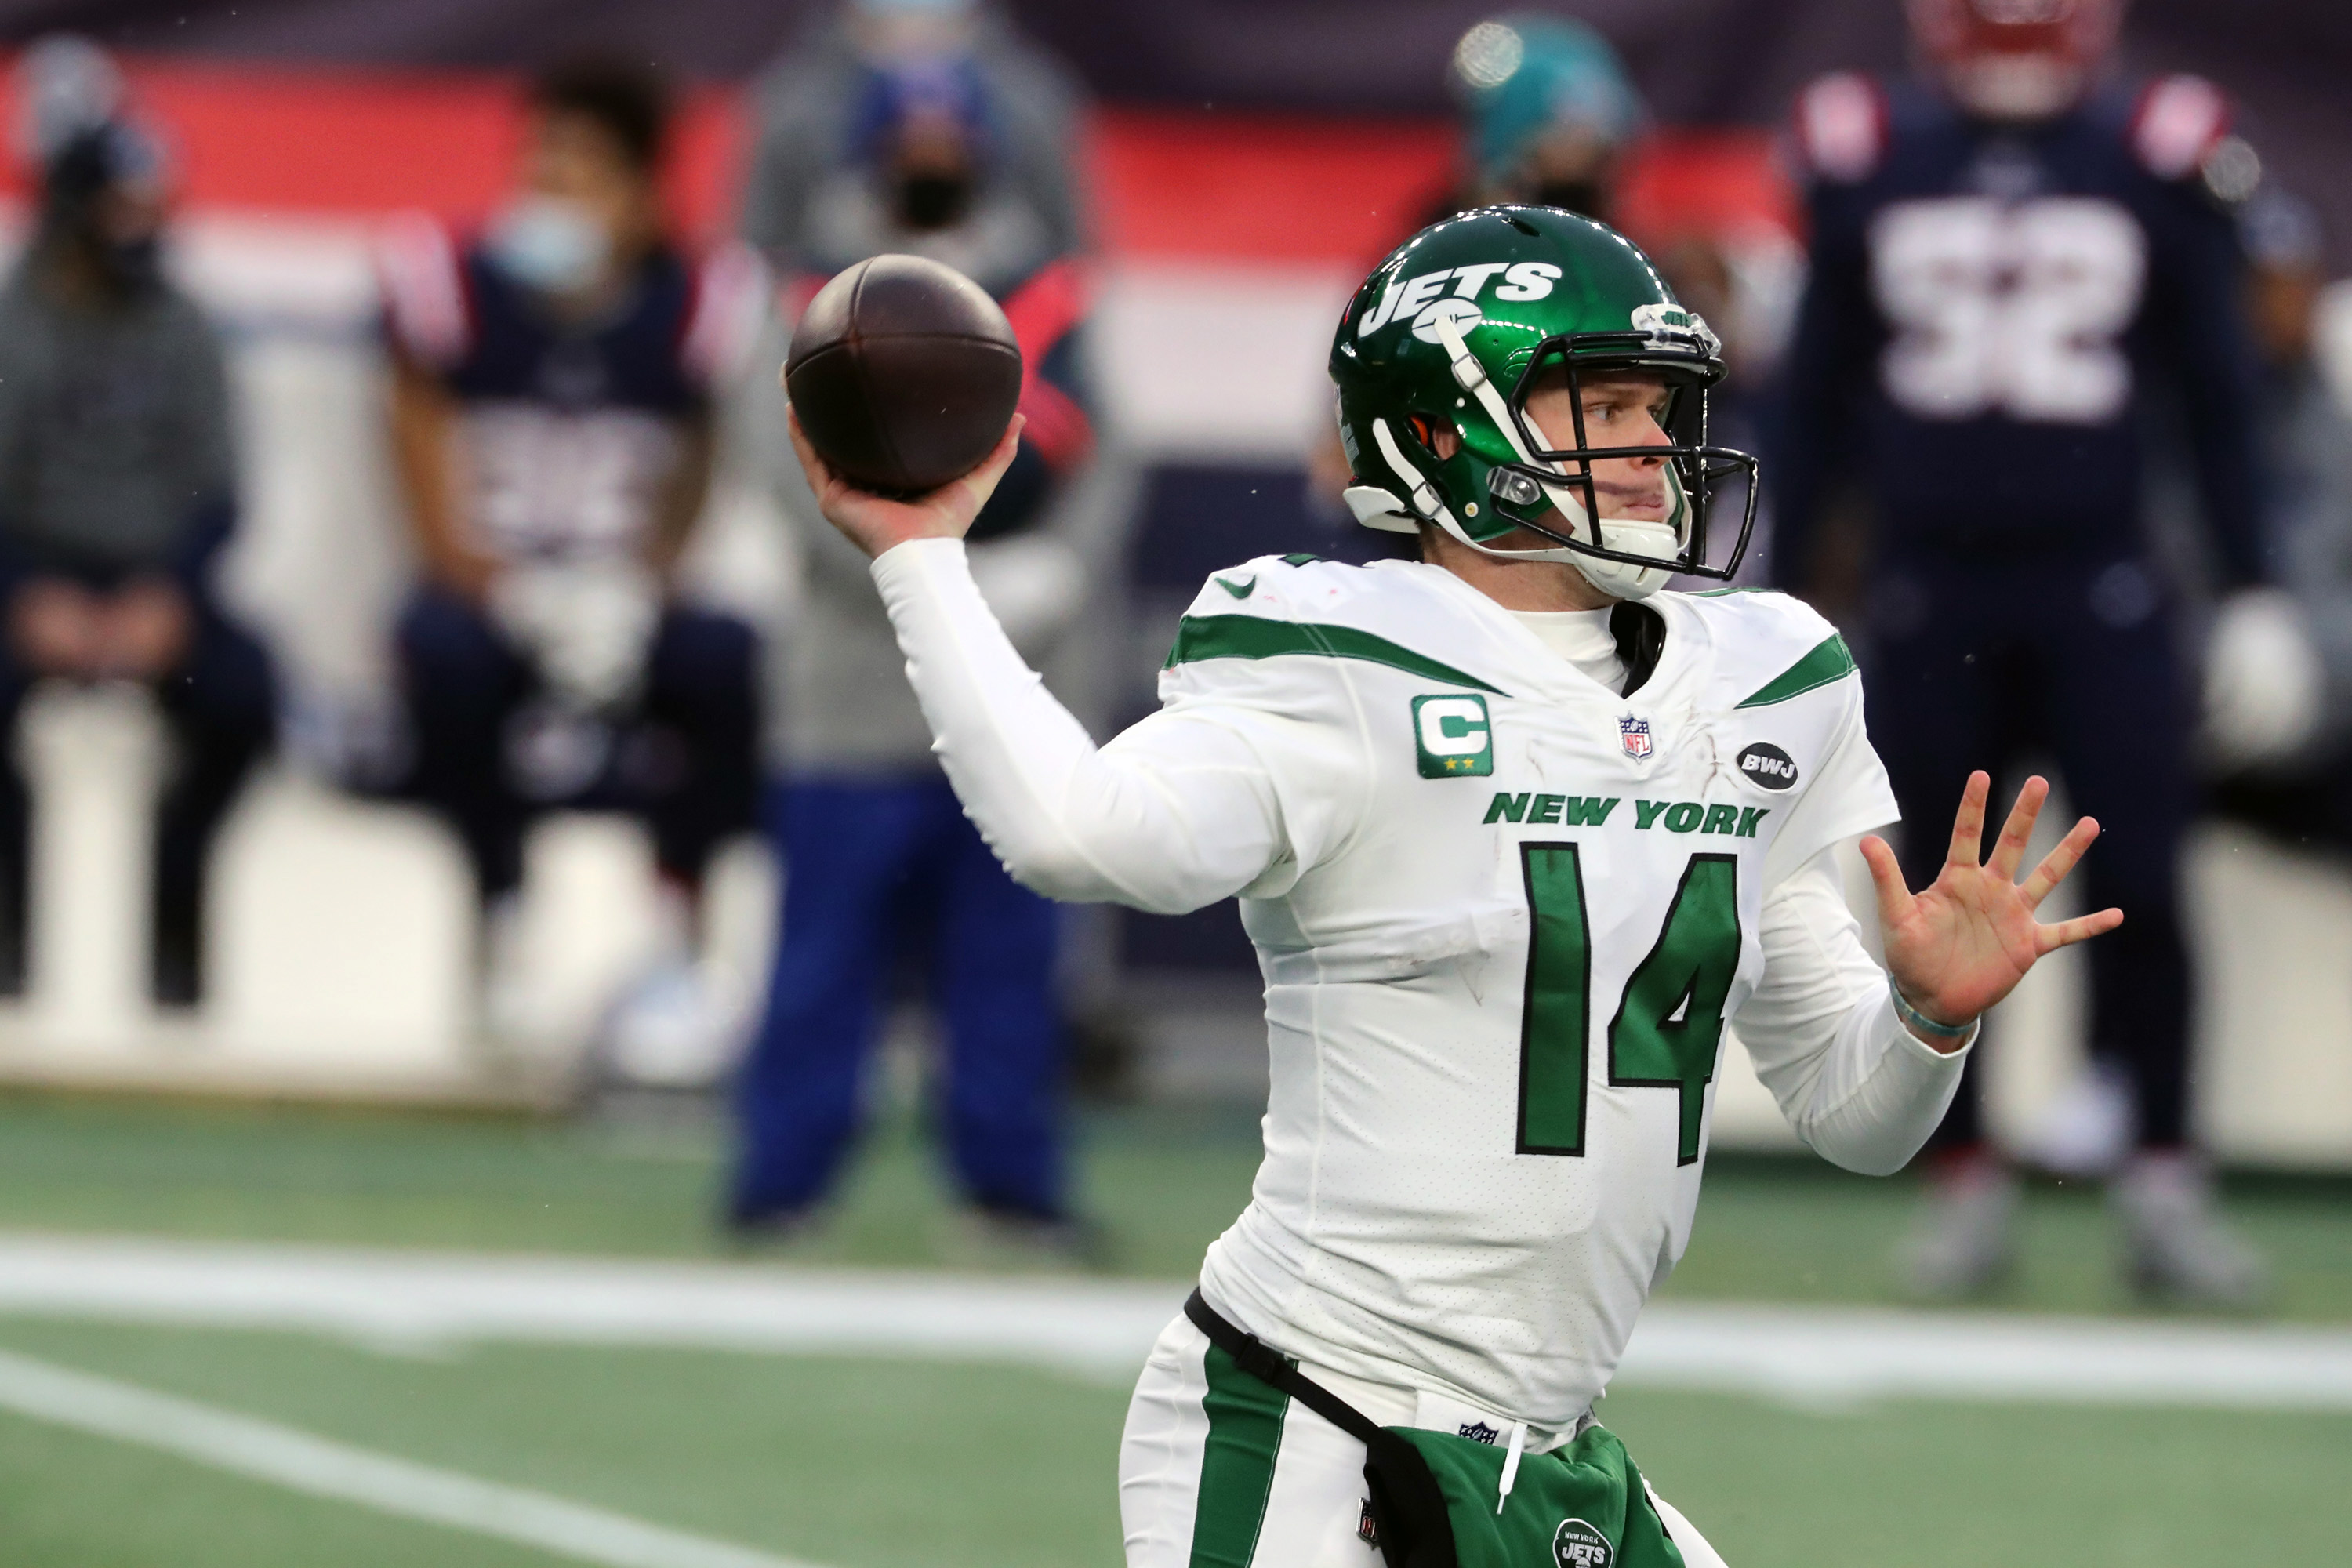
(1456, 328)
(1520, 76)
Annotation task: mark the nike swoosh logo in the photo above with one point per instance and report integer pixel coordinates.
(1247, 587)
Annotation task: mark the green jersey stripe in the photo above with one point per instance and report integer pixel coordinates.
(1828, 661)
(1246, 1420)
(1200, 638)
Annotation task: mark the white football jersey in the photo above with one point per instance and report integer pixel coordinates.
(1503, 914)
(1516, 912)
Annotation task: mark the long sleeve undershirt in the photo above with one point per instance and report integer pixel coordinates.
(1184, 809)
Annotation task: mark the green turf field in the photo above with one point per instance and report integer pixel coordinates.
(876, 1463)
(1164, 1183)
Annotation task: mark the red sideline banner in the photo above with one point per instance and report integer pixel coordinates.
(1176, 184)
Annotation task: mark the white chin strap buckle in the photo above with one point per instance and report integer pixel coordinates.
(1375, 507)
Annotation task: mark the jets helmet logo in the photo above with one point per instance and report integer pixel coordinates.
(1576, 1544)
(1463, 313)
(1411, 299)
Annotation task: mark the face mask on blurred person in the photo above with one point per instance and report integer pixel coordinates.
(550, 244)
(1581, 196)
(134, 262)
(933, 200)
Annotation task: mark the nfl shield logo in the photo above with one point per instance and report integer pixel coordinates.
(1636, 734)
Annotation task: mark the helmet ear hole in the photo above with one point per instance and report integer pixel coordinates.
(1439, 438)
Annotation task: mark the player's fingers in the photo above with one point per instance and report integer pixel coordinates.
(2058, 863)
(2082, 928)
(1967, 823)
(2008, 850)
(819, 475)
(1887, 875)
(983, 481)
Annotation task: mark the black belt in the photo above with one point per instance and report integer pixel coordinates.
(1409, 1515)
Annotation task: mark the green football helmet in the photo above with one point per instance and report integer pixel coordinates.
(1456, 327)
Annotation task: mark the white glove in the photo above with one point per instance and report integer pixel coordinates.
(587, 625)
(2265, 687)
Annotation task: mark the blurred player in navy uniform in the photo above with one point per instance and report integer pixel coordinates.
(929, 128)
(2019, 273)
(551, 420)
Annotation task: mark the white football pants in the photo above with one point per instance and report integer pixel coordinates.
(1281, 1488)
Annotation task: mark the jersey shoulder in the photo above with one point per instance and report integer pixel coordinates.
(2169, 126)
(1848, 127)
(1293, 619)
(1767, 648)
(1841, 127)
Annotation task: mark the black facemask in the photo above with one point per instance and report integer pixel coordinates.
(1583, 197)
(933, 201)
(132, 264)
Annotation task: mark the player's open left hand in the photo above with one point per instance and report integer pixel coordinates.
(1962, 944)
(875, 522)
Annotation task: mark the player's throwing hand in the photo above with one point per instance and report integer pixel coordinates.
(1964, 943)
(875, 522)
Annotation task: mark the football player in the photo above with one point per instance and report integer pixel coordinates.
(1516, 834)
(2019, 271)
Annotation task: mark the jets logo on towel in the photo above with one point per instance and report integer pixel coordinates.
(1634, 733)
(1577, 1544)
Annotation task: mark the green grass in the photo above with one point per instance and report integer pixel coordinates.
(72, 1501)
(1167, 1182)
(890, 1464)
(882, 1464)
(1164, 1184)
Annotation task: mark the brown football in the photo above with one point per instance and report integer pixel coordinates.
(904, 374)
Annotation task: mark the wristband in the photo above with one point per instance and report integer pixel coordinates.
(1919, 1022)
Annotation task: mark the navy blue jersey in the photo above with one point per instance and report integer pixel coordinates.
(2001, 319)
(570, 428)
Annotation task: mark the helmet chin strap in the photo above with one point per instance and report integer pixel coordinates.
(1612, 577)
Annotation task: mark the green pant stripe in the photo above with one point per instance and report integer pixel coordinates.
(1237, 1468)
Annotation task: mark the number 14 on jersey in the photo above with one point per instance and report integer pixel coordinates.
(1668, 1024)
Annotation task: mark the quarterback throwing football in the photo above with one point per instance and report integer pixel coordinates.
(1515, 832)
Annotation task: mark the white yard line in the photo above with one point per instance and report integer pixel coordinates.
(301, 1462)
(1102, 1329)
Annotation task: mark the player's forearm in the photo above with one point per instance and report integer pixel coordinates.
(423, 453)
(1858, 1087)
(1878, 1094)
(1156, 830)
(680, 500)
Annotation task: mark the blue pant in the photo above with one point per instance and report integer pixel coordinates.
(221, 705)
(685, 762)
(858, 858)
(1979, 662)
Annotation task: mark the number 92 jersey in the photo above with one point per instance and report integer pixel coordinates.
(1990, 306)
(1517, 911)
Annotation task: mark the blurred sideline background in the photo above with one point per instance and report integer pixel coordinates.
(1215, 292)
(198, 1209)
